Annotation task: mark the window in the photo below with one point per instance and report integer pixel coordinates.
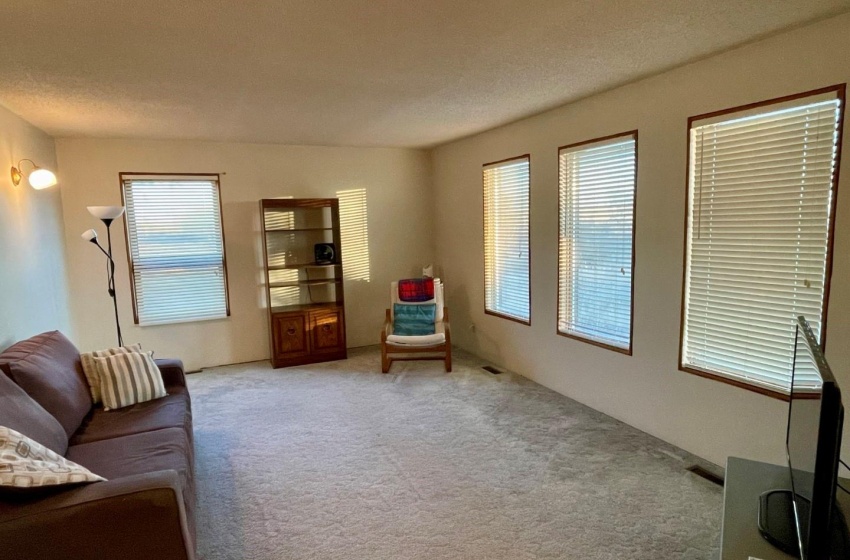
(506, 239)
(596, 193)
(178, 271)
(761, 197)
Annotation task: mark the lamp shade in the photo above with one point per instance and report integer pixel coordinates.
(106, 212)
(89, 235)
(42, 179)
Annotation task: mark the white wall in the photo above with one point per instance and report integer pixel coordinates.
(706, 417)
(400, 233)
(33, 291)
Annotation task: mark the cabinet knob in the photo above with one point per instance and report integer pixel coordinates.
(326, 328)
(290, 331)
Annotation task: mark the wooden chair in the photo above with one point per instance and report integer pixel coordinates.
(437, 346)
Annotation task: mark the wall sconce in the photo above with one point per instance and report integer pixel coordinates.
(39, 178)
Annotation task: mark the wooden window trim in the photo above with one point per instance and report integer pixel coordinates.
(627, 351)
(527, 157)
(508, 317)
(840, 91)
(131, 268)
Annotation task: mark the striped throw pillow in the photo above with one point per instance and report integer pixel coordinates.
(127, 379)
(90, 368)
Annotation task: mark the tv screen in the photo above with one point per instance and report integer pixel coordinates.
(815, 418)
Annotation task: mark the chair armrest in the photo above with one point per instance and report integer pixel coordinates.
(172, 372)
(388, 326)
(133, 518)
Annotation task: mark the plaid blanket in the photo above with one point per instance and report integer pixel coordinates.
(416, 289)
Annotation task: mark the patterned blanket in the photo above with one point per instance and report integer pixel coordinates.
(416, 289)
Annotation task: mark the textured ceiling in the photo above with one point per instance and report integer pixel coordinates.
(346, 72)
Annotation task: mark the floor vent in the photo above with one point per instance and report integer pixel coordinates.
(491, 369)
(709, 476)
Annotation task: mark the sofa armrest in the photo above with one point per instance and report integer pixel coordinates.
(172, 372)
(132, 518)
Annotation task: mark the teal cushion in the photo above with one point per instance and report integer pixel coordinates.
(414, 320)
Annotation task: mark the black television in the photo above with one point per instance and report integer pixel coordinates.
(804, 519)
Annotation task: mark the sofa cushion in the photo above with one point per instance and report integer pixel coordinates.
(167, 449)
(172, 411)
(48, 368)
(26, 464)
(21, 413)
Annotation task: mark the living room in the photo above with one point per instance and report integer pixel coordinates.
(410, 106)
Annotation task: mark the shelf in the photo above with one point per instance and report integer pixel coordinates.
(321, 282)
(301, 266)
(290, 230)
(306, 306)
(274, 204)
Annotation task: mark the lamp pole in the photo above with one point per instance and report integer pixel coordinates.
(111, 284)
(107, 214)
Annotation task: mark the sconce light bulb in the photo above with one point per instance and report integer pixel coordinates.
(42, 179)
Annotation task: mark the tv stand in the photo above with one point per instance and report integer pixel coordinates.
(745, 483)
(777, 522)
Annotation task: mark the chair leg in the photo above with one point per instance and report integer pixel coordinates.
(385, 360)
(449, 359)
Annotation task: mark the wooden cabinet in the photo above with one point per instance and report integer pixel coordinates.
(306, 304)
(315, 334)
(327, 330)
(290, 336)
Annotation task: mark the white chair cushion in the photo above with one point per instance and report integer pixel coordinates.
(423, 340)
(439, 337)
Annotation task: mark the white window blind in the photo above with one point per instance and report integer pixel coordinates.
(596, 229)
(176, 249)
(506, 239)
(760, 199)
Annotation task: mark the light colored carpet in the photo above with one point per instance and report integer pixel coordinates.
(338, 461)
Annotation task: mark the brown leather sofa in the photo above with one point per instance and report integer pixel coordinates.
(145, 509)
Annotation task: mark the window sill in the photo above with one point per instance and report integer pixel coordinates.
(618, 349)
(736, 383)
(526, 322)
(181, 321)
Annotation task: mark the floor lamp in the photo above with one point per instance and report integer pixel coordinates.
(107, 214)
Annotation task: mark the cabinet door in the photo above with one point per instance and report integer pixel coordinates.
(328, 331)
(290, 336)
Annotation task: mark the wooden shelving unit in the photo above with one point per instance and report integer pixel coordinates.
(305, 298)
